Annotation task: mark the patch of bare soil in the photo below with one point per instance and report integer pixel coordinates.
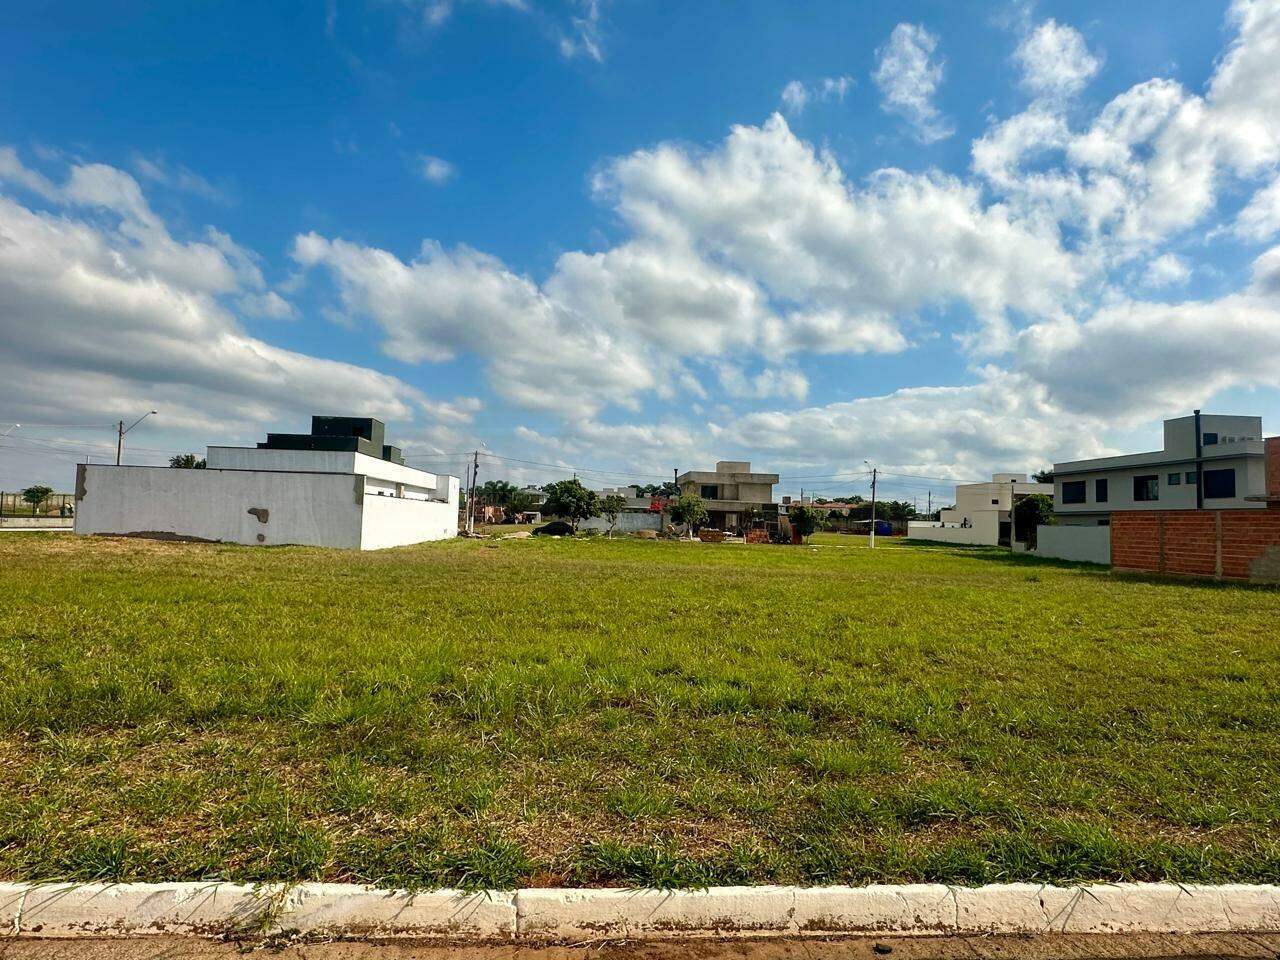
(1040, 947)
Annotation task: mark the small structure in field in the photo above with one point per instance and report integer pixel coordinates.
(338, 486)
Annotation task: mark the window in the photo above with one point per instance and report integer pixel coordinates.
(1174, 479)
(1146, 488)
(1219, 484)
(1210, 439)
(1191, 477)
(1104, 522)
(995, 503)
(709, 492)
(1100, 490)
(1073, 491)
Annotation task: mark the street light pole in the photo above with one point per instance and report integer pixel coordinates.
(122, 430)
(872, 544)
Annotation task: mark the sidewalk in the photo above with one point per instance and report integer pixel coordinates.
(1034, 947)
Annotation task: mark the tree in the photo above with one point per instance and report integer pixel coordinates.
(522, 501)
(36, 495)
(498, 493)
(1043, 476)
(805, 519)
(1030, 512)
(862, 511)
(659, 491)
(689, 511)
(187, 461)
(570, 500)
(901, 511)
(611, 508)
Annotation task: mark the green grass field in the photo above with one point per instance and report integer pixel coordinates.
(525, 712)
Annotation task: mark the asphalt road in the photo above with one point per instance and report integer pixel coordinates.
(1048, 947)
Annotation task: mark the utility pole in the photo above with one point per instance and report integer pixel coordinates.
(471, 495)
(930, 504)
(121, 430)
(874, 473)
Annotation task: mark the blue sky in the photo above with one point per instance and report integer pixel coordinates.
(623, 236)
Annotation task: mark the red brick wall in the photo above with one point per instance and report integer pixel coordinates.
(1273, 467)
(1191, 541)
(1135, 539)
(1202, 543)
(1245, 535)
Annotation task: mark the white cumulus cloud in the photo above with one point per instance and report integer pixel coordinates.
(908, 76)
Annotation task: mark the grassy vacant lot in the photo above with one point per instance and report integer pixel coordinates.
(594, 712)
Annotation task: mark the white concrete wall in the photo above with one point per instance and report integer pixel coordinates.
(301, 461)
(322, 461)
(396, 521)
(627, 522)
(318, 509)
(984, 532)
(1090, 544)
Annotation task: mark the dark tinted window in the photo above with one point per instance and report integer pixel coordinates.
(709, 493)
(1210, 439)
(1073, 491)
(1219, 483)
(1174, 479)
(1100, 491)
(1191, 477)
(1146, 488)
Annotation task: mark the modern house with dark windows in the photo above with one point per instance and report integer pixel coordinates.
(1209, 462)
(341, 485)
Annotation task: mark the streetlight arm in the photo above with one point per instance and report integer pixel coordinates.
(136, 422)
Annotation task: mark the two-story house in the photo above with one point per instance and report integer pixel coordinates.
(732, 492)
(1209, 461)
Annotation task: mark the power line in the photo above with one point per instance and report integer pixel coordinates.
(84, 426)
(826, 476)
(85, 443)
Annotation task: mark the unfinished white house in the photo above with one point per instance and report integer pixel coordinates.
(983, 513)
(338, 486)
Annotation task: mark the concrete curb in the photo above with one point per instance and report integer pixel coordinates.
(571, 915)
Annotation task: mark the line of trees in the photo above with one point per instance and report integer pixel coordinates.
(571, 501)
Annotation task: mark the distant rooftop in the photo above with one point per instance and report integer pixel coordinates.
(354, 434)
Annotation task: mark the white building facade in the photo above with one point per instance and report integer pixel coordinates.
(273, 495)
(983, 514)
(1208, 461)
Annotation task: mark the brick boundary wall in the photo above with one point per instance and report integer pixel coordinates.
(1273, 466)
(1224, 544)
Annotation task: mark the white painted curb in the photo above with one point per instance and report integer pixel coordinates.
(346, 910)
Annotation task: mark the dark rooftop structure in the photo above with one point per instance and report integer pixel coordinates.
(356, 434)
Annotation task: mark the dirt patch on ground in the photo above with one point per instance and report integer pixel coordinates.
(1046, 947)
